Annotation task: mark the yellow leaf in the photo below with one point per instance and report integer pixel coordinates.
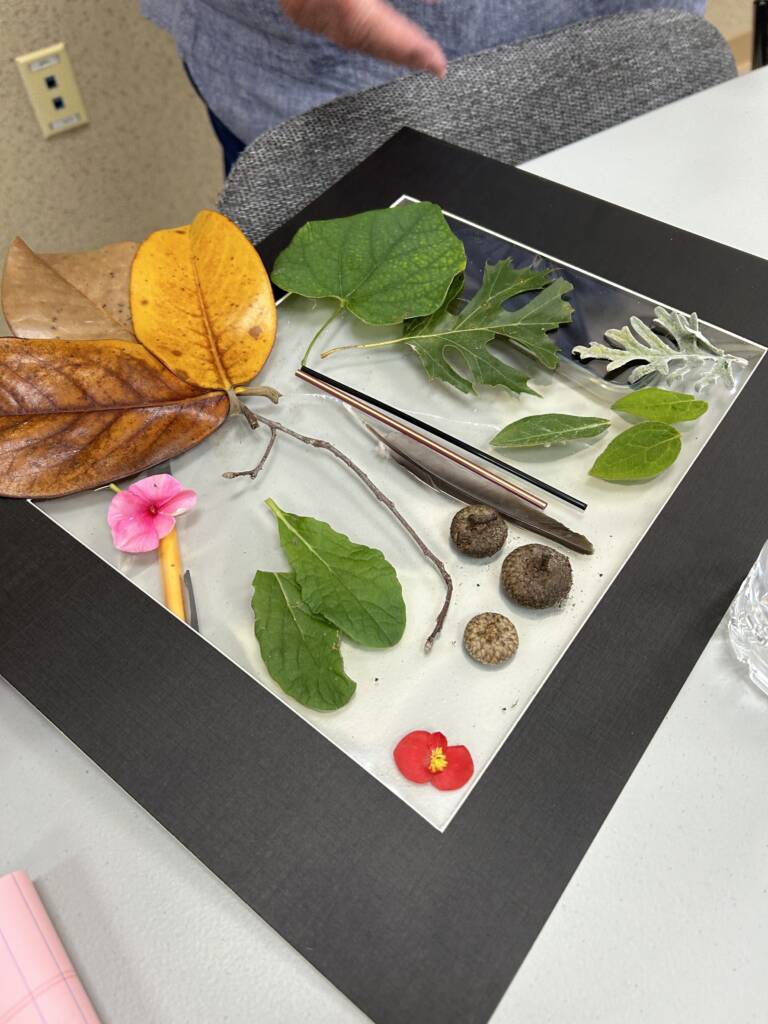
(202, 302)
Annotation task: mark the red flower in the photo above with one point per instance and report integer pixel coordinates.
(426, 757)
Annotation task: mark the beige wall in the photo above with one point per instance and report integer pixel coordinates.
(147, 159)
(732, 17)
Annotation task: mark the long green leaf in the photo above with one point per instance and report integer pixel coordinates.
(384, 266)
(551, 428)
(300, 650)
(350, 585)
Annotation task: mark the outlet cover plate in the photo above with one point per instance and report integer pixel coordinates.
(52, 89)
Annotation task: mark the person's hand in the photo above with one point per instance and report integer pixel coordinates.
(373, 27)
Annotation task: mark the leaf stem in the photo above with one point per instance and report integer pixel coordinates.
(261, 391)
(115, 488)
(319, 331)
(369, 344)
(275, 427)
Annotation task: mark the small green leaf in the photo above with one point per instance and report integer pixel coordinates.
(638, 453)
(445, 338)
(552, 428)
(350, 585)
(300, 650)
(661, 405)
(384, 266)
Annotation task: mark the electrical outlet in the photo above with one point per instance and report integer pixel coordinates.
(52, 89)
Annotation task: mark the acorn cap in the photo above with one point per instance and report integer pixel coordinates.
(537, 576)
(478, 531)
(490, 638)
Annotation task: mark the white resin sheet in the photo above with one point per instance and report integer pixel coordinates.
(231, 534)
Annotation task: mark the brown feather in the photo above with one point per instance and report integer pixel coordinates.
(447, 476)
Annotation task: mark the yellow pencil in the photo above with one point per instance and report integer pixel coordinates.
(173, 572)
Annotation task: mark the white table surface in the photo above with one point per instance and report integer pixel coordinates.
(666, 919)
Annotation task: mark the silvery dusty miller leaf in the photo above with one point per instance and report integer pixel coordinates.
(550, 428)
(638, 453)
(384, 266)
(690, 352)
(465, 336)
(350, 585)
(661, 405)
(300, 650)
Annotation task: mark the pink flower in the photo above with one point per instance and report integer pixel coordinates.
(144, 513)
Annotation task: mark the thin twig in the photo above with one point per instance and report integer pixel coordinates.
(253, 473)
(255, 419)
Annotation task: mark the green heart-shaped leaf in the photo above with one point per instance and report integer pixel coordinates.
(384, 266)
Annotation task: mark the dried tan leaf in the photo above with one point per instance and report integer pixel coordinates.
(78, 295)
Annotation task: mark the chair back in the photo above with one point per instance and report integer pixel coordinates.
(512, 103)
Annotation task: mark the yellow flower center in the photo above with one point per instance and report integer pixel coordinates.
(437, 760)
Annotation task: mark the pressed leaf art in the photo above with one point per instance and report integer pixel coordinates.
(351, 585)
(661, 405)
(76, 413)
(547, 429)
(638, 453)
(448, 342)
(80, 295)
(527, 327)
(675, 351)
(300, 650)
(384, 266)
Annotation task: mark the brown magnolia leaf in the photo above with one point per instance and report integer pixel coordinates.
(202, 302)
(78, 295)
(78, 414)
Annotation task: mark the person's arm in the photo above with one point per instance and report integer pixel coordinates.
(372, 27)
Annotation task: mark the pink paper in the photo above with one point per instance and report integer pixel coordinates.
(38, 984)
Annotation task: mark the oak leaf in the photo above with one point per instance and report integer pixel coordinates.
(445, 338)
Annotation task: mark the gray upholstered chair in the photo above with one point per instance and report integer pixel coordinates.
(512, 103)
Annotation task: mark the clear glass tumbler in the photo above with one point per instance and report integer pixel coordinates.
(748, 622)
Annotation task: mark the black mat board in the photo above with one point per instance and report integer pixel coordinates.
(411, 924)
